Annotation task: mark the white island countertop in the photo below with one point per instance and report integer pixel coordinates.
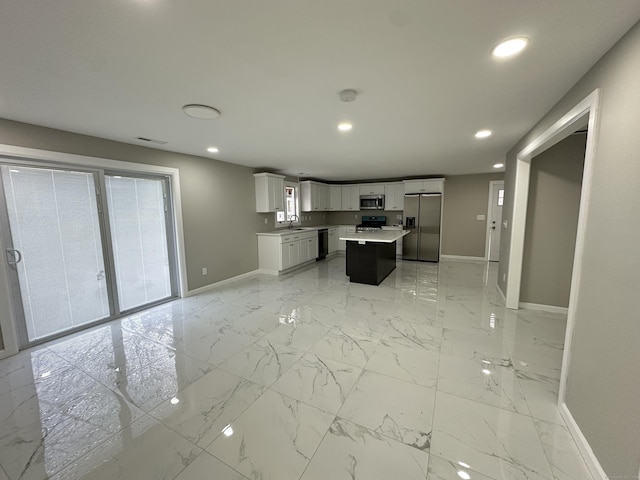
(381, 236)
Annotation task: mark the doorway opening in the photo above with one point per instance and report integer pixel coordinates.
(583, 114)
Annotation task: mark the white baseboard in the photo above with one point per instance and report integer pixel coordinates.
(585, 449)
(544, 308)
(463, 258)
(211, 286)
(501, 294)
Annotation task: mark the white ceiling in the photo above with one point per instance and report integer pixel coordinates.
(119, 69)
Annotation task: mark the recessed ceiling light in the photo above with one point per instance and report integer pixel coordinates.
(464, 475)
(345, 126)
(213, 150)
(483, 133)
(510, 47)
(203, 112)
(498, 165)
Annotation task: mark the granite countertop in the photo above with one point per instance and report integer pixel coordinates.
(382, 236)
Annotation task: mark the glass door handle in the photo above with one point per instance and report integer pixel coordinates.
(14, 256)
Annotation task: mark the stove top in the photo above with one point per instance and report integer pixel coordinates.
(371, 223)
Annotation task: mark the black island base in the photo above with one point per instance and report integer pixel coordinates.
(371, 262)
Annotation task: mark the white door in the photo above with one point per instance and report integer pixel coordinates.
(494, 223)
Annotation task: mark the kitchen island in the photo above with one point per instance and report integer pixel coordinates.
(371, 256)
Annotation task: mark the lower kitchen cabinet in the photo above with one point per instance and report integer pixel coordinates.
(333, 240)
(277, 253)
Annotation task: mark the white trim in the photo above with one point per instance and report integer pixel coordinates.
(212, 286)
(501, 294)
(490, 207)
(585, 449)
(554, 134)
(588, 107)
(544, 308)
(463, 258)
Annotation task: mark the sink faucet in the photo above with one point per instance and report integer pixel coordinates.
(291, 220)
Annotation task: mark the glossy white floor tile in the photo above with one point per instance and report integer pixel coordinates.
(303, 376)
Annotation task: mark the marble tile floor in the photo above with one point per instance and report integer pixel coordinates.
(303, 376)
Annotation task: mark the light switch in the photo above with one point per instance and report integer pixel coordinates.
(505, 224)
(480, 217)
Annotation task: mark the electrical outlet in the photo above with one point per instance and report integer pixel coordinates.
(204, 270)
(504, 277)
(398, 217)
(355, 216)
(266, 221)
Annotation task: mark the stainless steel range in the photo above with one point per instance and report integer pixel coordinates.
(371, 223)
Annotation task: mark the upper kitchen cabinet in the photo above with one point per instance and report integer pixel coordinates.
(269, 192)
(335, 198)
(372, 189)
(314, 196)
(394, 196)
(427, 185)
(350, 197)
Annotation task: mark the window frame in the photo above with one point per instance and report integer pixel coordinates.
(286, 223)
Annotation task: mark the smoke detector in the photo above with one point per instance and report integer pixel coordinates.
(347, 95)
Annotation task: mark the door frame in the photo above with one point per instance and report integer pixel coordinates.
(22, 154)
(585, 112)
(490, 207)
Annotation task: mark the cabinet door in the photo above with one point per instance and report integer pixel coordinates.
(394, 196)
(335, 198)
(333, 240)
(285, 255)
(371, 189)
(346, 198)
(355, 198)
(312, 248)
(325, 197)
(276, 192)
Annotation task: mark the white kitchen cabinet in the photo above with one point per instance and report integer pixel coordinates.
(309, 248)
(290, 254)
(333, 240)
(394, 196)
(335, 198)
(372, 189)
(269, 192)
(277, 253)
(427, 185)
(314, 196)
(350, 198)
(343, 231)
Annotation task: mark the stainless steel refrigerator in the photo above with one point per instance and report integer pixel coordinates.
(422, 219)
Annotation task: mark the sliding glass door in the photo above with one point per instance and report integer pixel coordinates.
(56, 248)
(139, 237)
(77, 256)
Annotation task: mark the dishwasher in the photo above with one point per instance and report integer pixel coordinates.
(323, 243)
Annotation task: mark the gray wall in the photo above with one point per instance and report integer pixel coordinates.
(552, 219)
(603, 381)
(218, 198)
(465, 197)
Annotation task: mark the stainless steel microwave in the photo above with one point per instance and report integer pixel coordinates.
(371, 202)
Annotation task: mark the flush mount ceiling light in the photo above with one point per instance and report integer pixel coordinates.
(344, 126)
(203, 112)
(213, 150)
(498, 165)
(510, 47)
(483, 133)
